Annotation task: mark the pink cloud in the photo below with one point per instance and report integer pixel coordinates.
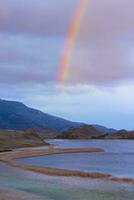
(104, 47)
(35, 16)
(104, 43)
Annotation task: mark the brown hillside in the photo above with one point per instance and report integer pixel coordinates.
(17, 139)
(81, 132)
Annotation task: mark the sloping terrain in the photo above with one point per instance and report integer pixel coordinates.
(81, 132)
(18, 139)
(121, 134)
(17, 116)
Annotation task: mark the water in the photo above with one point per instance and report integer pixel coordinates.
(118, 159)
(117, 146)
(38, 186)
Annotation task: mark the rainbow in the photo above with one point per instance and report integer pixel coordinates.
(70, 41)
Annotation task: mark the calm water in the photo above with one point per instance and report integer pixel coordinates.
(117, 146)
(117, 160)
(59, 188)
(67, 188)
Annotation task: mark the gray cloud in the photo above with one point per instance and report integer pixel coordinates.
(29, 59)
(104, 50)
(32, 38)
(35, 16)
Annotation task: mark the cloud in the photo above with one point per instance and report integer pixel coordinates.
(32, 40)
(105, 45)
(35, 16)
(109, 107)
(29, 59)
(32, 35)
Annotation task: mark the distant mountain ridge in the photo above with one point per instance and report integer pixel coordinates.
(17, 116)
(104, 129)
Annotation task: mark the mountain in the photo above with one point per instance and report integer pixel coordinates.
(81, 132)
(44, 133)
(17, 116)
(104, 129)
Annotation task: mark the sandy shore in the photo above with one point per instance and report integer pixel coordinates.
(10, 159)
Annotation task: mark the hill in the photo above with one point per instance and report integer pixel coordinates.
(81, 132)
(121, 134)
(19, 139)
(89, 132)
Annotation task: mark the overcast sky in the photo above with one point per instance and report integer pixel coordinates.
(100, 84)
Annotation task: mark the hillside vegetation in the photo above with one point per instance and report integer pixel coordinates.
(18, 139)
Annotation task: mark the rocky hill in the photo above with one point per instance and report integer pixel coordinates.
(89, 132)
(122, 134)
(81, 132)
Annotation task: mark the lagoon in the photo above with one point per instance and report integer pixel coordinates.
(118, 158)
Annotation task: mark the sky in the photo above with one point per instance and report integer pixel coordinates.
(99, 87)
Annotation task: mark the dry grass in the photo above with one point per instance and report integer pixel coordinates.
(18, 139)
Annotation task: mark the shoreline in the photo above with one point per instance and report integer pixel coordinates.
(9, 158)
